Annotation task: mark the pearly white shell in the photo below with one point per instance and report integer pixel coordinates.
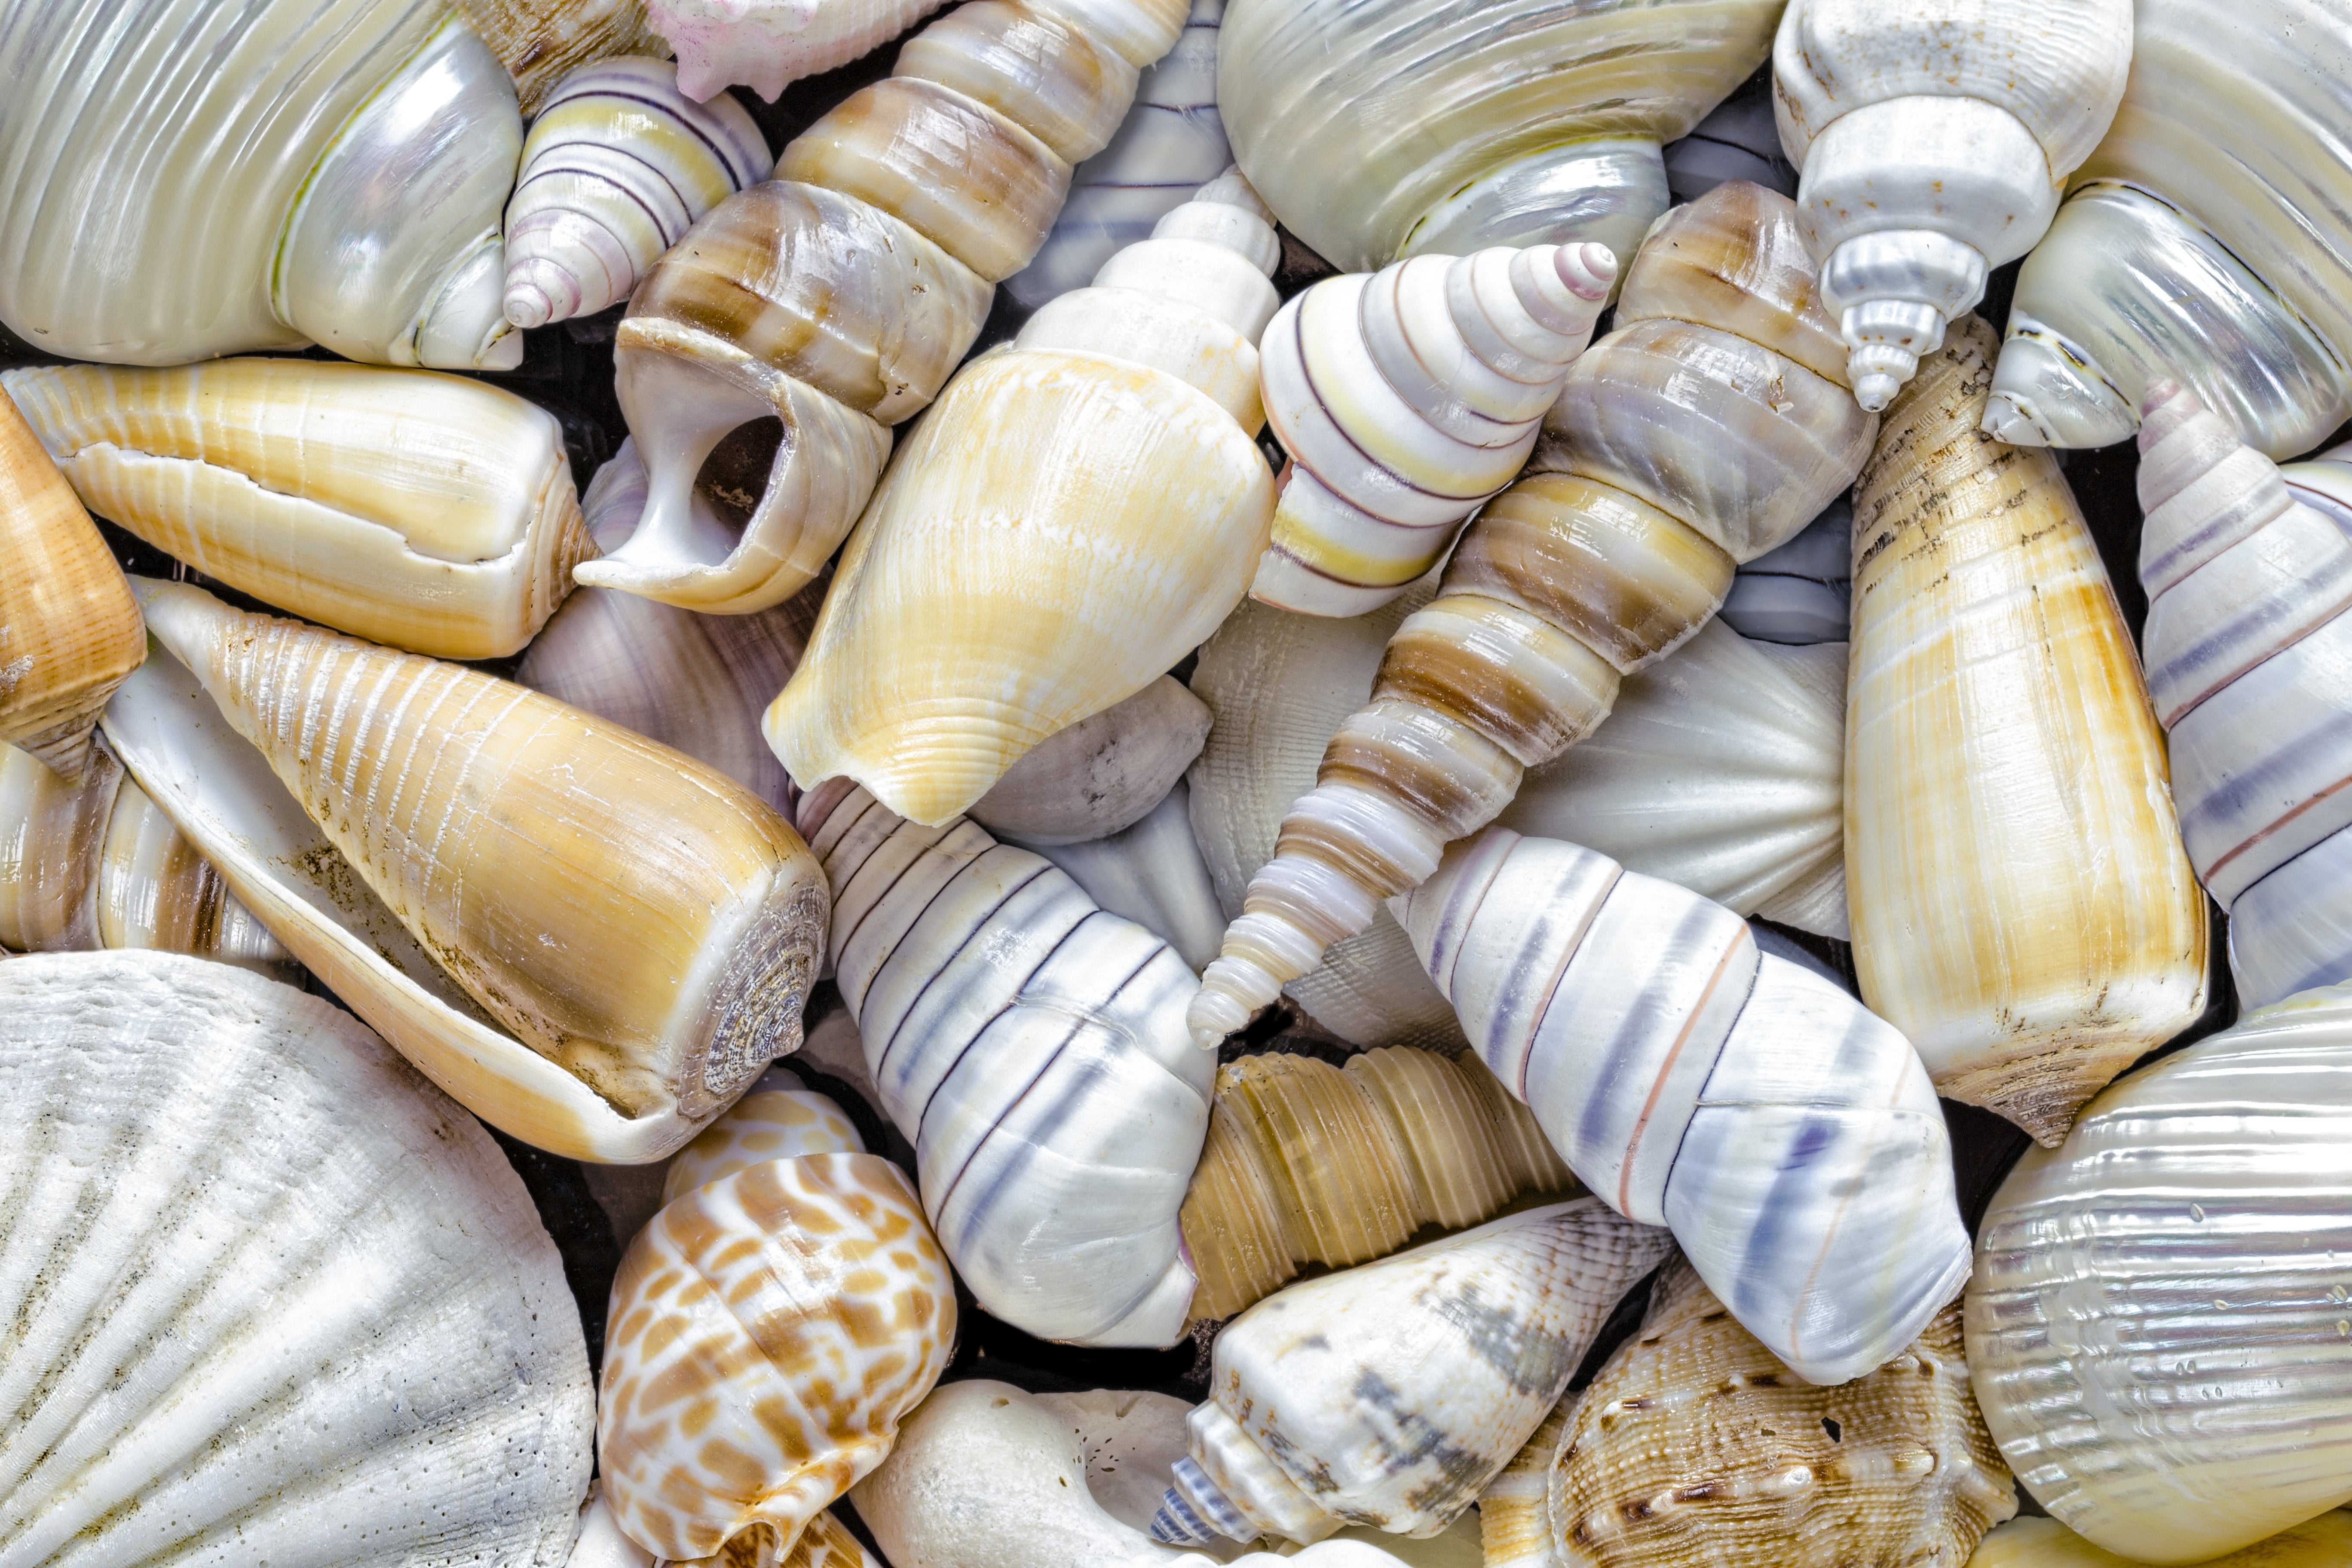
(1153, 874)
(766, 45)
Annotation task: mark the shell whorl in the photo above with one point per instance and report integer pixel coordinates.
(617, 166)
(1031, 1047)
(1406, 398)
(1708, 429)
(1306, 1163)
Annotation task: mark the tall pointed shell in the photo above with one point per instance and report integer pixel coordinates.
(768, 1330)
(767, 45)
(1694, 1444)
(269, 1291)
(541, 42)
(426, 511)
(1530, 121)
(1933, 142)
(1031, 1047)
(68, 629)
(2022, 907)
(2157, 1325)
(2322, 1543)
(1388, 1396)
(640, 920)
(617, 165)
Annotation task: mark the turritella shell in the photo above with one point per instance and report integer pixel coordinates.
(2022, 907)
(426, 511)
(1695, 1445)
(271, 1297)
(2157, 1327)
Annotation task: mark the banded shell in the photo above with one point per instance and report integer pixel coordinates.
(617, 166)
(332, 172)
(1029, 1045)
(426, 511)
(69, 631)
(2022, 907)
(541, 42)
(767, 45)
(768, 1330)
(1934, 140)
(261, 1277)
(1309, 1163)
(1799, 593)
(1694, 1444)
(1405, 399)
(766, 355)
(1388, 1395)
(1153, 874)
(2157, 1325)
(1077, 514)
(1707, 430)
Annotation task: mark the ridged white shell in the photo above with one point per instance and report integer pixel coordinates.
(766, 45)
(272, 1297)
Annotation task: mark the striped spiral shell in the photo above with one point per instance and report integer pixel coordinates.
(1405, 399)
(1707, 430)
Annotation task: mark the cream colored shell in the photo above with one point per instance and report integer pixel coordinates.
(541, 42)
(2322, 1543)
(779, 1120)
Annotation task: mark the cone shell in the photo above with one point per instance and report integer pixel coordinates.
(768, 1330)
(68, 629)
(264, 1283)
(1694, 1443)
(424, 511)
(2022, 907)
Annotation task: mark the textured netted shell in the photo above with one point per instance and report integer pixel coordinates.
(779, 1119)
(1696, 1444)
(2022, 907)
(2157, 1327)
(270, 1294)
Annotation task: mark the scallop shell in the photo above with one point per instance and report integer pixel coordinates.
(1800, 594)
(68, 629)
(426, 511)
(1116, 432)
(2322, 1543)
(2022, 907)
(260, 1276)
(1933, 142)
(1031, 1047)
(617, 166)
(2158, 1326)
(541, 42)
(1101, 775)
(767, 45)
(1707, 430)
(1530, 121)
(1694, 1444)
(768, 1330)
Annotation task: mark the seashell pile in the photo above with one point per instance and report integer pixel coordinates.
(1452, 847)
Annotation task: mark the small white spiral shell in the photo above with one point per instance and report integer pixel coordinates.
(616, 168)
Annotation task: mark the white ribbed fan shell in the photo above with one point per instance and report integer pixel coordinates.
(271, 1297)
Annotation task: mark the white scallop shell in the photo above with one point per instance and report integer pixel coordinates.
(271, 1296)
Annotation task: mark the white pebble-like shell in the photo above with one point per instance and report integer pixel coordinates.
(765, 45)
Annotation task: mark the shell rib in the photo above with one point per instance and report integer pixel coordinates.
(1077, 514)
(1306, 1163)
(1695, 1445)
(1934, 140)
(541, 42)
(70, 630)
(617, 166)
(1405, 399)
(1393, 129)
(2205, 240)
(639, 920)
(766, 355)
(2157, 1325)
(426, 511)
(2249, 652)
(1388, 1396)
(2022, 907)
(769, 1330)
(271, 1297)
(1031, 1047)
(1797, 595)
(1707, 430)
(2322, 1543)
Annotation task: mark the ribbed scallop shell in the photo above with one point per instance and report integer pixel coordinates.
(2322, 1543)
(271, 1296)
(68, 629)
(617, 166)
(2158, 1326)
(2022, 907)
(1390, 129)
(1695, 1445)
(768, 1330)
(426, 511)
(1031, 1047)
